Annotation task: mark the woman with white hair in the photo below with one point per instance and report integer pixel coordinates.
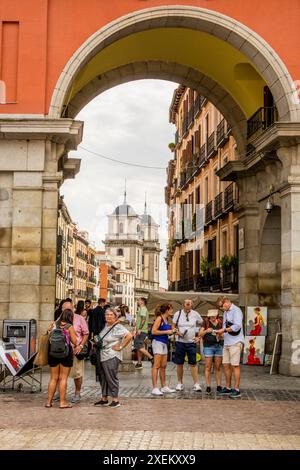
(109, 344)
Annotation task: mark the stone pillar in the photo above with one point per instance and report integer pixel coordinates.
(249, 227)
(290, 260)
(31, 172)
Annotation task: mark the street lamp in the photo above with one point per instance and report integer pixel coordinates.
(270, 202)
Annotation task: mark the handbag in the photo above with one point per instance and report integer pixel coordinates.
(41, 359)
(83, 353)
(93, 356)
(99, 344)
(228, 324)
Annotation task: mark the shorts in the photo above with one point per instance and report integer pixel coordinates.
(185, 348)
(232, 354)
(158, 347)
(65, 362)
(77, 369)
(139, 341)
(215, 350)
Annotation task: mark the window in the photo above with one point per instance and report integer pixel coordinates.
(121, 228)
(120, 252)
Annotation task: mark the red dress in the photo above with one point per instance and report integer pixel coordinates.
(257, 330)
(251, 359)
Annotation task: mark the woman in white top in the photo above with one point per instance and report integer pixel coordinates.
(114, 337)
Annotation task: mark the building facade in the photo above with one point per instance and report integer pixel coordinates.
(107, 277)
(76, 263)
(135, 237)
(203, 228)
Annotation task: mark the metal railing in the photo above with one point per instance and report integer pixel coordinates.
(263, 118)
(211, 145)
(202, 154)
(191, 116)
(229, 198)
(218, 206)
(209, 212)
(221, 135)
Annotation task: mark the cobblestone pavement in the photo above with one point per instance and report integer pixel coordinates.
(91, 439)
(267, 416)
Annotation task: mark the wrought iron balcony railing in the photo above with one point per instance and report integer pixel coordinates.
(262, 119)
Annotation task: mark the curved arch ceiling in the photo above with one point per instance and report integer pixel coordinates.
(198, 50)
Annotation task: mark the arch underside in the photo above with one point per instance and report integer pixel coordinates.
(165, 71)
(219, 57)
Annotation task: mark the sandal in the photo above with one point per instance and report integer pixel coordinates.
(66, 406)
(48, 405)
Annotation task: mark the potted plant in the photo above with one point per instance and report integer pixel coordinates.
(171, 146)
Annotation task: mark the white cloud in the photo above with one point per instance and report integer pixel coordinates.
(129, 123)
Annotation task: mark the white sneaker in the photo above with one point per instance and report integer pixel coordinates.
(167, 390)
(197, 388)
(179, 387)
(156, 392)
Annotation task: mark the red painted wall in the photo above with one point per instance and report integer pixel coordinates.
(50, 31)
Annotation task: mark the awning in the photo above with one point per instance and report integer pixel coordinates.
(202, 301)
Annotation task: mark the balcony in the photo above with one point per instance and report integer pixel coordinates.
(184, 127)
(211, 145)
(202, 153)
(190, 116)
(197, 106)
(203, 101)
(176, 137)
(218, 206)
(182, 179)
(229, 198)
(189, 171)
(222, 137)
(209, 212)
(261, 120)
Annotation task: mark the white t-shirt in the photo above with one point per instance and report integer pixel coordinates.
(188, 325)
(113, 338)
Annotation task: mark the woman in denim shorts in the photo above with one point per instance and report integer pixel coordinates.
(213, 348)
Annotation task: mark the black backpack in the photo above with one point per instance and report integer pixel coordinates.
(58, 346)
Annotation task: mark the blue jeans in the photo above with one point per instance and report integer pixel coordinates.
(213, 350)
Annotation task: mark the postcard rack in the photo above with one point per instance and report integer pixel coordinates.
(26, 378)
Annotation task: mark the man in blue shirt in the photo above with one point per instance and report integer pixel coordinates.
(233, 344)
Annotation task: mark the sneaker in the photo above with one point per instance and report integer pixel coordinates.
(114, 404)
(235, 393)
(219, 389)
(138, 366)
(208, 390)
(225, 391)
(167, 390)
(76, 399)
(101, 403)
(197, 388)
(156, 392)
(56, 397)
(179, 387)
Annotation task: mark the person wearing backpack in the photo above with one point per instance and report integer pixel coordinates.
(212, 348)
(60, 357)
(159, 334)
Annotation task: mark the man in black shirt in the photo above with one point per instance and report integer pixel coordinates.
(97, 317)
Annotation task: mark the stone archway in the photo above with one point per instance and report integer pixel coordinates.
(34, 156)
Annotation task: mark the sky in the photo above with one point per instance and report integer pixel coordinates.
(129, 123)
